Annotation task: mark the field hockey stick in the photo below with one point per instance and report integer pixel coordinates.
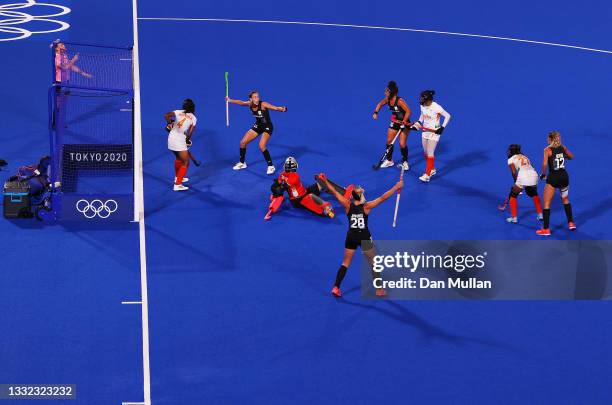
(226, 96)
(397, 199)
(503, 206)
(387, 149)
(193, 159)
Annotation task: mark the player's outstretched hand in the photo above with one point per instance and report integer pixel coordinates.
(323, 176)
(375, 115)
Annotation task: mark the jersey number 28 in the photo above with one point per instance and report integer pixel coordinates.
(357, 223)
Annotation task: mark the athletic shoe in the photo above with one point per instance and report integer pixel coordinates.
(180, 187)
(540, 217)
(386, 163)
(185, 179)
(336, 292)
(380, 292)
(543, 232)
(405, 166)
(571, 226)
(240, 166)
(432, 173)
(425, 178)
(512, 220)
(271, 170)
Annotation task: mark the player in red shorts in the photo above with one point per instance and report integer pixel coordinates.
(299, 196)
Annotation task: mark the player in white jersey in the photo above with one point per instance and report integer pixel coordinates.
(429, 122)
(181, 124)
(525, 178)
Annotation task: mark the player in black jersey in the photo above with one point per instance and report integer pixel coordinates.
(400, 121)
(357, 210)
(263, 126)
(555, 155)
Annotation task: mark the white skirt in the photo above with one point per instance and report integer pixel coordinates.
(177, 142)
(527, 178)
(431, 136)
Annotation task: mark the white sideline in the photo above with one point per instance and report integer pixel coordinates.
(139, 214)
(374, 27)
(131, 302)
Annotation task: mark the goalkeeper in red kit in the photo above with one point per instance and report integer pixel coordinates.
(299, 196)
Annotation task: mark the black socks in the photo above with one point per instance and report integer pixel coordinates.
(568, 212)
(546, 213)
(340, 275)
(390, 152)
(242, 155)
(404, 151)
(266, 155)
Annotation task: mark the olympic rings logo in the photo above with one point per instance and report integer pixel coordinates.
(17, 17)
(99, 208)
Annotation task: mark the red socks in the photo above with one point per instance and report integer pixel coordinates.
(180, 173)
(430, 165)
(538, 205)
(177, 165)
(513, 206)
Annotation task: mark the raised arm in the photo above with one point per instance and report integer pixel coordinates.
(238, 102)
(380, 105)
(269, 106)
(343, 201)
(386, 195)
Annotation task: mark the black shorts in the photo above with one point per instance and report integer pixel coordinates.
(395, 125)
(357, 239)
(558, 179)
(260, 129)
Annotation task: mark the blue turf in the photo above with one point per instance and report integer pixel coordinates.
(240, 311)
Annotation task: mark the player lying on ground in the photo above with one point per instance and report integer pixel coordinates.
(263, 126)
(180, 124)
(555, 155)
(299, 196)
(400, 116)
(525, 178)
(357, 210)
(429, 122)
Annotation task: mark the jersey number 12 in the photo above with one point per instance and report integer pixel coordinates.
(559, 162)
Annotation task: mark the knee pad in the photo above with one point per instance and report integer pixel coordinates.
(275, 203)
(564, 192)
(513, 194)
(314, 203)
(531, 191)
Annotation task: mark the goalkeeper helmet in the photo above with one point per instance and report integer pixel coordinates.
(291, 165)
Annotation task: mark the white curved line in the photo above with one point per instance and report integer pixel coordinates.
(373, 27)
